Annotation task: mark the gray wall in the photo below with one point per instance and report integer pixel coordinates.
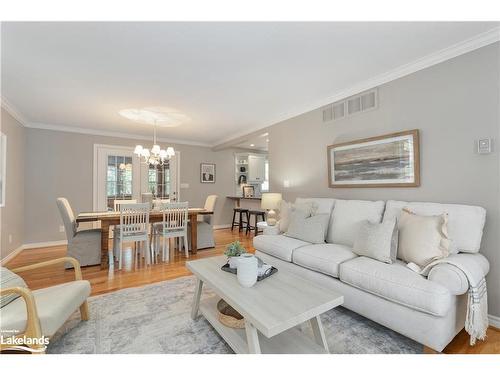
(60, 164)
(12, 214)
(453, 104)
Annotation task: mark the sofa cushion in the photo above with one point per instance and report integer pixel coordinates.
(377, 240)
(311, 229)
(348, 215)
(397, 283)
(324, 258)
(54, 304)
(280, 246)
(323, 205)
(465, 223)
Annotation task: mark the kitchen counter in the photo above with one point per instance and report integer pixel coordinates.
(252, 202)
(238, 198)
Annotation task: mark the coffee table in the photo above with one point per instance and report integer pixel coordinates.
(273, 309)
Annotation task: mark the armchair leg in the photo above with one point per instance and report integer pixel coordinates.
(84, 311)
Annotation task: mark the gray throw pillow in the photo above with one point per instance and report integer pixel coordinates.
(310, 229)
(377, 240)
(9, 279)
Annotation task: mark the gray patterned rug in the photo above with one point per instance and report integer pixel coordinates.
(156, 319)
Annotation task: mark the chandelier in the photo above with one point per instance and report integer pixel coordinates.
(164, 117)
(155, 156)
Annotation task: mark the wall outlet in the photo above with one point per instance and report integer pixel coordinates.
(61, 228)
(10, 238)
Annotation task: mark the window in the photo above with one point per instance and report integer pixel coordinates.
(3, 164)
(119, 179)
(265, 185)
(159, 180)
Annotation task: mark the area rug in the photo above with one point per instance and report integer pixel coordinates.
(156, 319)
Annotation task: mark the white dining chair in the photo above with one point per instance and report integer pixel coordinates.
(134, 224)
(174, 225)
(116, 229)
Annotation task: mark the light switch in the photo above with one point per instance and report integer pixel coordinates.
(484, 146)
(184, 185)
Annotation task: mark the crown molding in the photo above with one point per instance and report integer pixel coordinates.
(106, 133)
(13, 111)
(460, 48)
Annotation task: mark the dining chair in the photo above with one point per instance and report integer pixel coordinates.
(83, 245)
(134, 224)
(116, 229)
(174, 225)
(205, 228)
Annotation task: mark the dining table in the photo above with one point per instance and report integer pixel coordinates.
(110, 218)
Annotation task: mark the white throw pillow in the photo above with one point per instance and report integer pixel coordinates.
(285, 210)
(310, 229)
(9, 279)
(422, 239)
(377, 240)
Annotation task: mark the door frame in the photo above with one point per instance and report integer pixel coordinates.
(98, 147)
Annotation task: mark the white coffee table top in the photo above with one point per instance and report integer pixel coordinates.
(273, 305)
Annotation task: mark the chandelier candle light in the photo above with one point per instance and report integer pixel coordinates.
(157, 155)
(162, 116)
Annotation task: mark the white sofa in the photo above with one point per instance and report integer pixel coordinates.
(430, 310)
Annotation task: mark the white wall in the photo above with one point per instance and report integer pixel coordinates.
(12, 214)
(453, 104)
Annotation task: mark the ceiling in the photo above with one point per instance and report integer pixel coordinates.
(257, 142)
(228, 78)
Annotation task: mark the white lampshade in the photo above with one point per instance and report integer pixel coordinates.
(138, 150)
(170, 151)
(163, 154)
(145, 152)
(155, 150)
(270, 201)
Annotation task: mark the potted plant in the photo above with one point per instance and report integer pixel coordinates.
(234, 250)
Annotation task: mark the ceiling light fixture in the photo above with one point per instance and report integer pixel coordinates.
(156, 116)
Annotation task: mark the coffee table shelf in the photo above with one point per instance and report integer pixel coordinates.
(291, 341)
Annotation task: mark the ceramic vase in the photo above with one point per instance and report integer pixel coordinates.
(233, 262)
(247, 270)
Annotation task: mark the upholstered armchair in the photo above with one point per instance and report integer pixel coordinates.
(84, 245)
(205, 233)
(40, 312)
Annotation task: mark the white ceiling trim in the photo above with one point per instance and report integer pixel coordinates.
(104, 133)
(447, 53)
(13, 111)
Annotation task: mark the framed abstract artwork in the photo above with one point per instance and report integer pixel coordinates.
(390, 160)
(207, 173)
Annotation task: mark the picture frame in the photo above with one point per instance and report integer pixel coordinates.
(3, 167)
(207, 173)
(248, 191)
(390, 160)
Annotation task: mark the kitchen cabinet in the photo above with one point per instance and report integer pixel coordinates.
(256, 168)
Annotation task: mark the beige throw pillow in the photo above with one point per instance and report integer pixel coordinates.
(422, 239)
(310, 229)
(378, 241)
(285, 210)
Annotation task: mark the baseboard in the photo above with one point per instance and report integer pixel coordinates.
(35, 245)
(12, 255)
(222, 226)
(494, 321)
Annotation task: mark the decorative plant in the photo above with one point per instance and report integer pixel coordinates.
(234, 249)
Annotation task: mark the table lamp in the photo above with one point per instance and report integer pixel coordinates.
(271, 201)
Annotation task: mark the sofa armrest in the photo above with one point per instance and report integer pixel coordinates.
(452, 277)
(73, 261)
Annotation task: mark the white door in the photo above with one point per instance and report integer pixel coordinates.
(117, 175)
(162, 180)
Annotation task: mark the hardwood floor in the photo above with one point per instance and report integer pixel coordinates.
(104, 281)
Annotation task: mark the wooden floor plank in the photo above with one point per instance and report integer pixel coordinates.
(104, 281)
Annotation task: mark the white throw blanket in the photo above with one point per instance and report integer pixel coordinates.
(476, 321)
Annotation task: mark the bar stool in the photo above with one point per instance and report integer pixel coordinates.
(256, 214)
(239, 223)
